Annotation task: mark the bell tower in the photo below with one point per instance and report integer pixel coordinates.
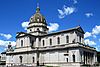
(37, 24)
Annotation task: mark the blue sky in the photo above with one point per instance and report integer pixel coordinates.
(60, 15)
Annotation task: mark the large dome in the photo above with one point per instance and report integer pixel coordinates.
(37, 17)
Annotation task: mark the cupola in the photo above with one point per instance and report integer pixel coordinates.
(37, 17)
(37, 24)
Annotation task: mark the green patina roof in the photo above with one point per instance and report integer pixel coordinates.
(38, 17)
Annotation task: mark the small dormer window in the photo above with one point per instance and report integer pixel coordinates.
(38, 20)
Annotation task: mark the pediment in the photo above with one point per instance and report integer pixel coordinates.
(80, 29)
(20, 34)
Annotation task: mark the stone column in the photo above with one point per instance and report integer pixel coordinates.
(84, 57)
(37, 50)
(91, 57)
(37, 42)
(28, 41)
(94, 58)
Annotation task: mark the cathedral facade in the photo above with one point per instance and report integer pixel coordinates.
(38, 47)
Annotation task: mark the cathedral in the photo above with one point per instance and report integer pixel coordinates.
(37, 47)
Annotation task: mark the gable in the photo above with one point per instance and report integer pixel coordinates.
(80, 30)
(20, 34)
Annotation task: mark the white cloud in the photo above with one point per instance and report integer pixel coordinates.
(66, 11)
(94, 36)
(89, 14)
(97, 48)
(25, 25)
(53, 27)
(87, 34)
(61, 13)
(6, 43)
(99, 40)
(75, 1)
(96, 30)
(69, 10)
(87, 41)
(7, 36)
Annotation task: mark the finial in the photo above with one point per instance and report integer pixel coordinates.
(38, 8)
(37, 5)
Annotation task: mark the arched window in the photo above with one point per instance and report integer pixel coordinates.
(73, 57)
(50, 41)
(20, 57)
(67, 59)
(80, 39)
(0, 58)
(67, 39)
(21, 43)
(58, 40)
(32, 44)
(38, 29)
(33, 59)
(43, 42)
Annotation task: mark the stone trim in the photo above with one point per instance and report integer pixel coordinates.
(52, 48)
(38, 22)
(37, 26)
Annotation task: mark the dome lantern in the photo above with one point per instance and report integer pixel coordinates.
(37, 24)
(37, 17)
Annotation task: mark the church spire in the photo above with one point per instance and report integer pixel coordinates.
(38, 8)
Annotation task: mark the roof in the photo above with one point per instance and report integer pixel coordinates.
(25, 34)
(38, 17)
(78, 28)
(3, 53)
